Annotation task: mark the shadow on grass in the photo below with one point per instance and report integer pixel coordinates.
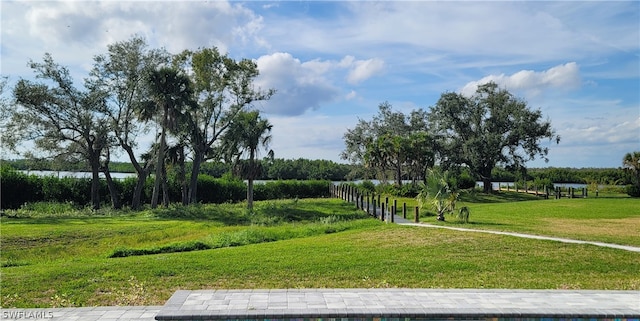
(474, 196)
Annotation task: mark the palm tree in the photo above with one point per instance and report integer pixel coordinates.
(245, 135)
(437, 193)
(171, 92)
(631, 162)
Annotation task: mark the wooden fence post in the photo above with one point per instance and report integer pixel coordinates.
(572, 190)
(393, 214)
(404, 210)
(382, 212)
(375, 212)
(368, 201)
(416, 218)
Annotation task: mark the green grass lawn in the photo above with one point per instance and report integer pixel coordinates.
(604, 219)
(49, 261)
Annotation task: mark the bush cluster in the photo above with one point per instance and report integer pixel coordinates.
(19, 189)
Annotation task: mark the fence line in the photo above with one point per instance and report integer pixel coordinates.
(558, 192)
(371, 204)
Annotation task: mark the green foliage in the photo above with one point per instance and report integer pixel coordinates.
(463, 214)
(291, 189)
(406, 190)
(17, 188)
(462, 181)
(633, 190)
(438, 194)
(171, 248)
(216, 190)
(392, 141)
(302, 169)
(490, 128)
(367, 186)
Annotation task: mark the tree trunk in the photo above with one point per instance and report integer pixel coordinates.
(113, 190)
(165, 188)
(250, 194)
(159, 163)
(95, 181)
(137, 192)
(182, 177)
(399, 175)
(250, 181)
(198, 157)
(142, 174)
(486, 185)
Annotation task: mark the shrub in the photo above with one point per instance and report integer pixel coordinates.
(464, 181)
(406, 190)
(217, 190)
(368, 186)
(18, 188)
(633, 190)
(291, 189)
(171, 248)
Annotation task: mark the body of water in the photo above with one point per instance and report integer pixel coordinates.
(60, 174)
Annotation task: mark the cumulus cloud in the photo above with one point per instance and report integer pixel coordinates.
(300, 86)
(563, 77)
(364, 69)
(360, 70)
(184, 24)
(303, 86)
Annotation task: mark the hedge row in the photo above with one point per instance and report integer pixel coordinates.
(18, 188)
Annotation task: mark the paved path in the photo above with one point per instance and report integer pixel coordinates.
(122, 313)
(426, 304)
(358, 303)
(529, 236)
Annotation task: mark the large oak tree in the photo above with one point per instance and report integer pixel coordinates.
(492, 127)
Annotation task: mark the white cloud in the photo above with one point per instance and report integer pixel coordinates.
(173, 25)
(561, 77)
(300, 86)
(303, 86)
(364, 69)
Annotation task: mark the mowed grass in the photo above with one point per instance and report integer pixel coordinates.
(64, 262)
(611, 219)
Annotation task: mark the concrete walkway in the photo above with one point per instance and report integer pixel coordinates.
(528, 236)
(121, 313)
(427, 304)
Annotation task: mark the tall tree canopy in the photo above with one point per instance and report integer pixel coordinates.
(171, 97)
(223, 88)
(61, 119)
(247, 133)
(631, 164)
(489, 128)
(391, 141)
(122, 74)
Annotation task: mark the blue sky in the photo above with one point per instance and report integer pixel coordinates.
(334, 62)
